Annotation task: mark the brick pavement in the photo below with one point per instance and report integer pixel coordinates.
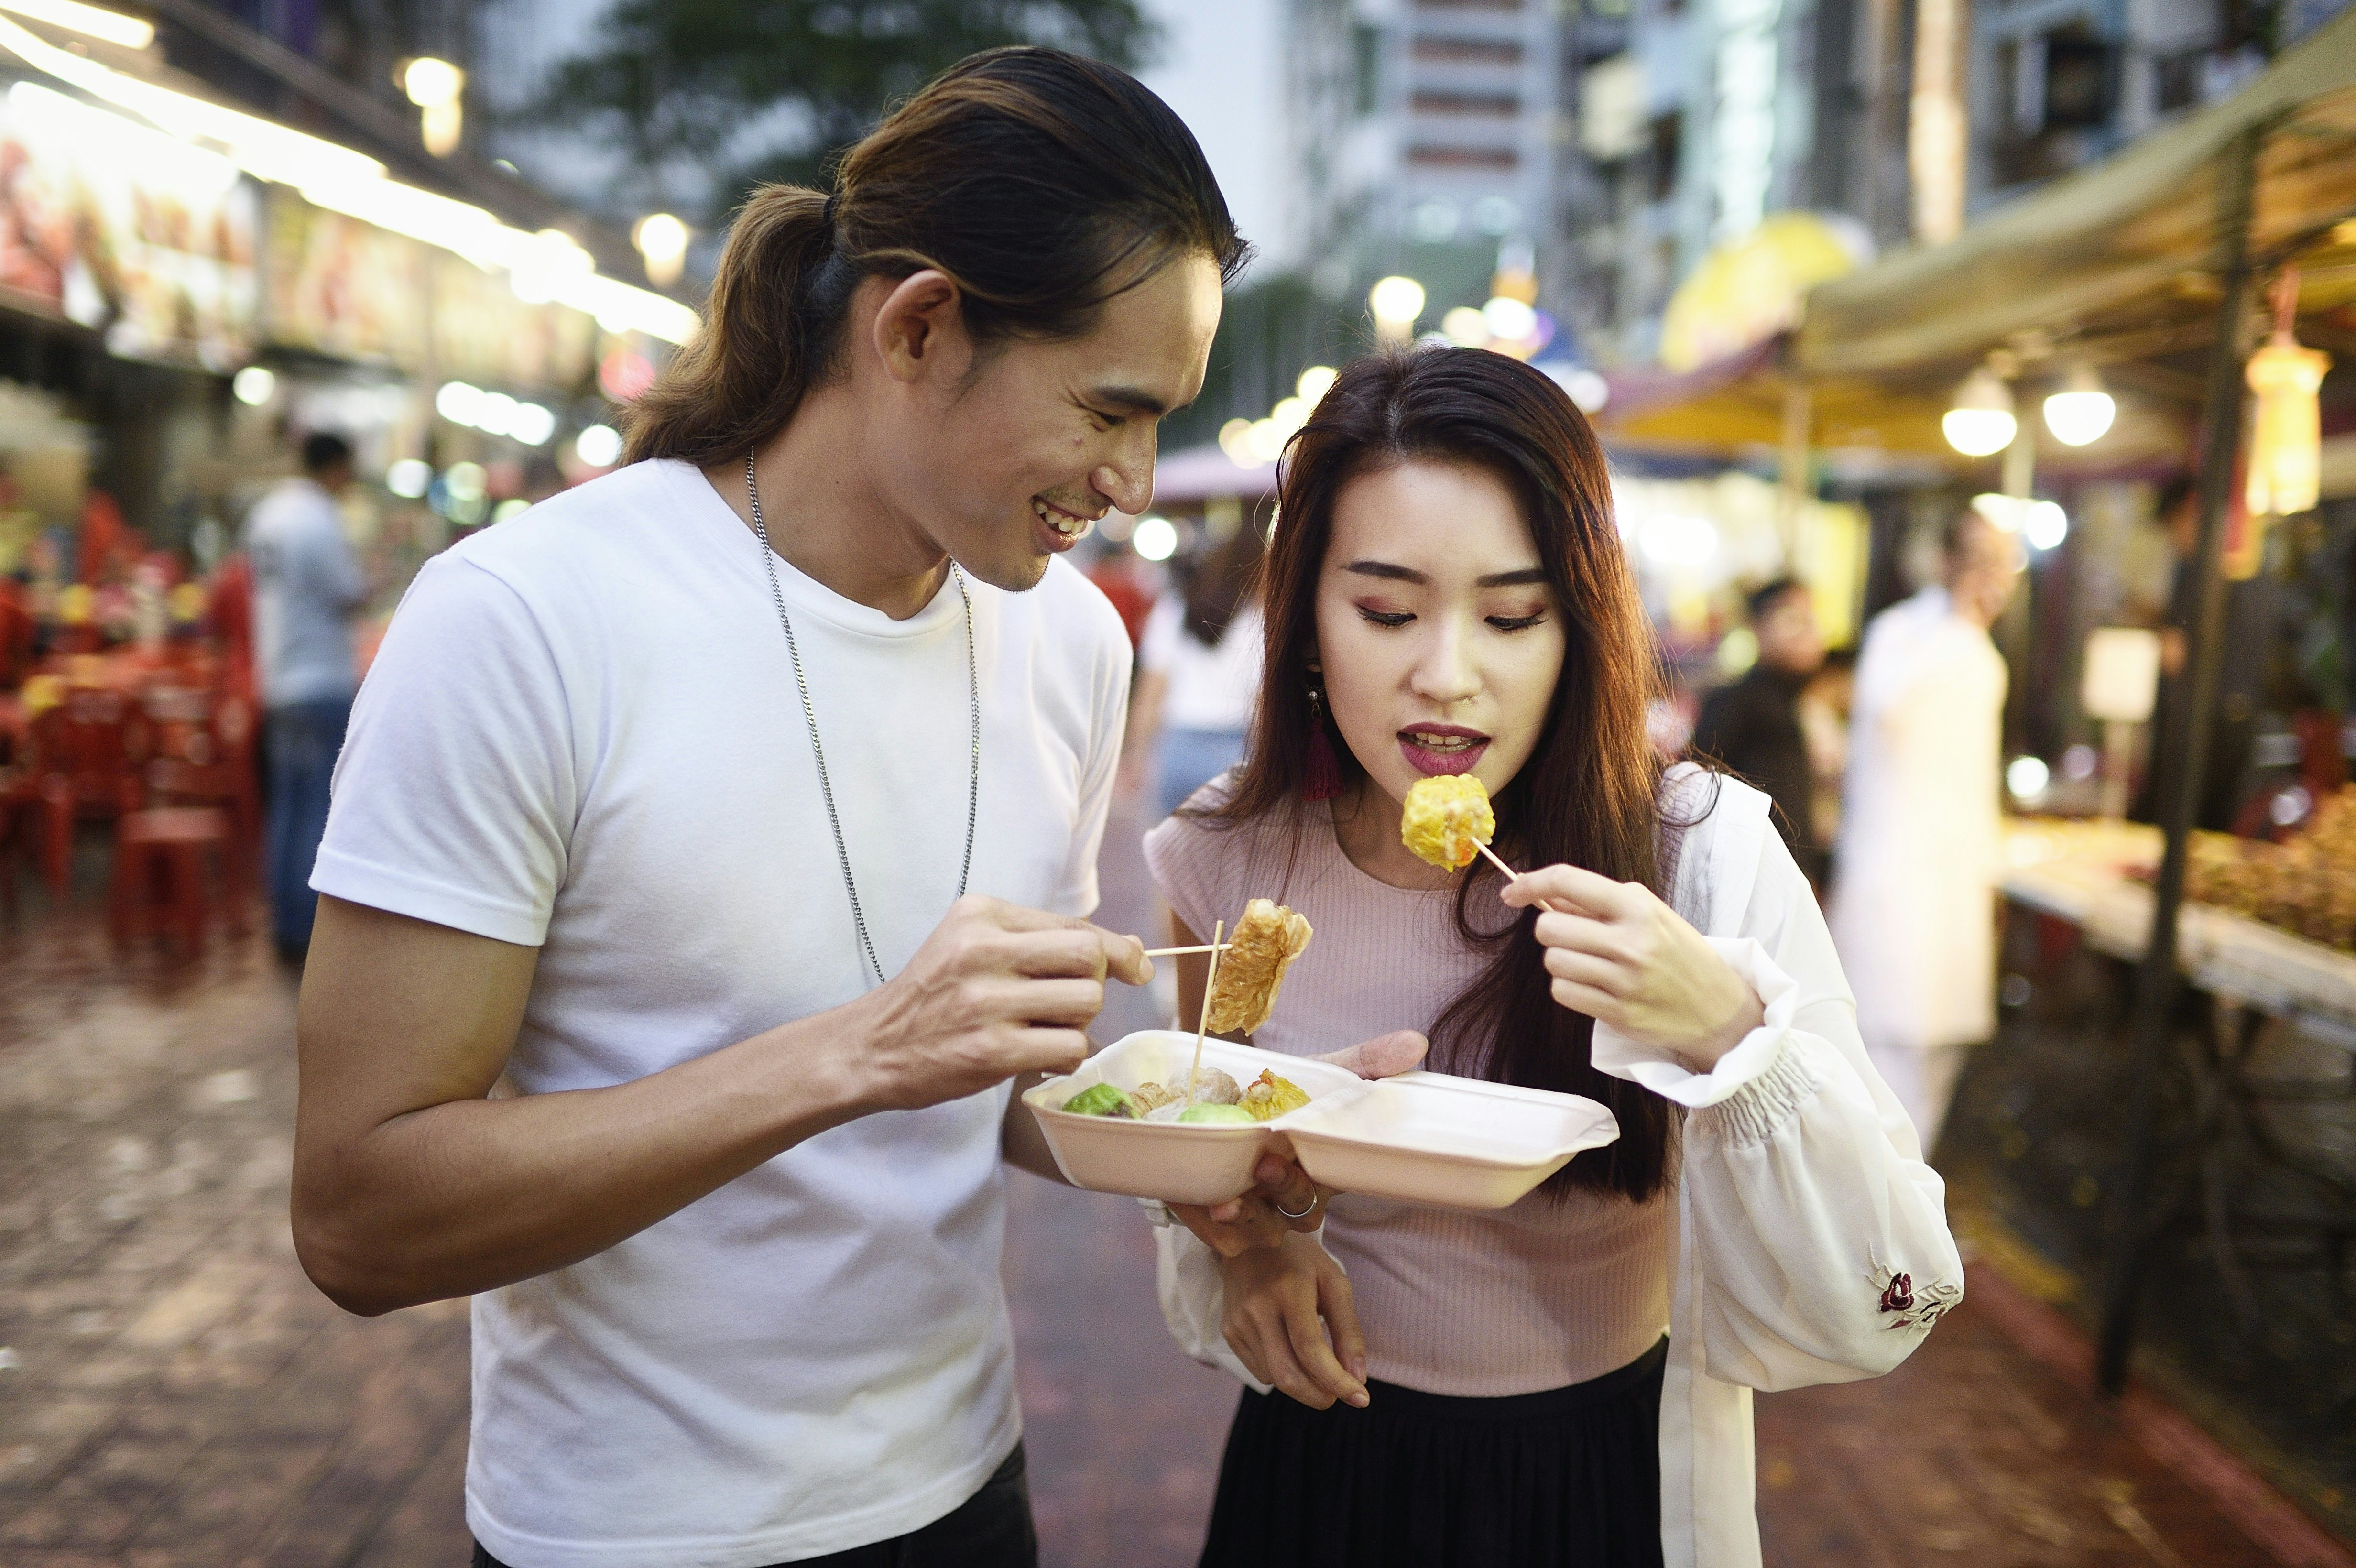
(173, 1391)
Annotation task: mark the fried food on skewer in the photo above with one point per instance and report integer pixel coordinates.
(1263, 944)
(1447, 820)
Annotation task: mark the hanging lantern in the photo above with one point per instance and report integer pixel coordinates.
(2287, 428)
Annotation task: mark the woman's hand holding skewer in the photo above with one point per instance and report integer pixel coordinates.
(1625, 959)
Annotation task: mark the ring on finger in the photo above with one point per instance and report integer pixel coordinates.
(1314, 1199)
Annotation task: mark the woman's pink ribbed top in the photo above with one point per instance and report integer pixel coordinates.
(1548, 1293)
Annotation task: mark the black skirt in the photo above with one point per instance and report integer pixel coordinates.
(1566, 1479)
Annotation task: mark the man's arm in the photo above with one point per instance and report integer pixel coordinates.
(410, 1186)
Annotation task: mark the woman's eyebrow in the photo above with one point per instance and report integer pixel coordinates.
(1390, 571)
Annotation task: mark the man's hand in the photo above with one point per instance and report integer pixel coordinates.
(411, 1184)
(997, 990)
(1286, 1200)
(1281, 1304)
(1625, 959)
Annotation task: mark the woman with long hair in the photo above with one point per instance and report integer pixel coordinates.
(1198, 671)
(1566, 1381)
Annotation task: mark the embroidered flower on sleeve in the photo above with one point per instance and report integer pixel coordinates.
(1908, 1307)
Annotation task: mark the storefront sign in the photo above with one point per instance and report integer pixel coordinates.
(345, 288)
(483, 334)
(125, 230)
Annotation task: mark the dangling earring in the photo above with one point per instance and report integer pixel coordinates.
(1322, 780)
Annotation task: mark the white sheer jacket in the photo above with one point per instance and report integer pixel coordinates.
(1811, 1239)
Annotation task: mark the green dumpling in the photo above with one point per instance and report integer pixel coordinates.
(1201, 1115)
(1101, 1100)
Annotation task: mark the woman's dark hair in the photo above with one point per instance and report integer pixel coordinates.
(1589, 795)
(1222, 579)
(1044, 183)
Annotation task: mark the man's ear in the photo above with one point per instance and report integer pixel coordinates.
(919, 329)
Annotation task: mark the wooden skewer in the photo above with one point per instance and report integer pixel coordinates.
(1198, 947)
(1511, 874)
(1203, 1018)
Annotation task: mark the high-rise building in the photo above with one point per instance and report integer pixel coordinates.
(1898, 119)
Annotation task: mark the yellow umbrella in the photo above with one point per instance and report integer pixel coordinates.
(1752, 289)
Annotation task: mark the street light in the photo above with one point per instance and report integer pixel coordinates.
(1155, 539)
(599, 446)
(1981, 423)
(1466, 328)
(1315, 382)
(1396, 302)
(436, 86)
(2082, 410)
(661, 241)
(90, 21)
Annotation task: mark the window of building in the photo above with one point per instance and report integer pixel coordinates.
(1366, 68)
(2176, 80)
(1668, 145)
(2077, 79)
(1488, 105)
(1433, 156)
(1469, 51)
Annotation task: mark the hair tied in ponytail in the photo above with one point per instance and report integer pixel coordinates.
(1110, 182)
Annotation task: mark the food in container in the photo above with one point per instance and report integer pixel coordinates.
(1203, 1113)
(1151, 1097)
(1262, 946)
(1422, 1137)
(1102, 1100)
(1446, 819)
(1270, 1097)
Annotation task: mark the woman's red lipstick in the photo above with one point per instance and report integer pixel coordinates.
(1431, 760)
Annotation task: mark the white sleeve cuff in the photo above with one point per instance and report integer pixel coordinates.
(1662, 1071)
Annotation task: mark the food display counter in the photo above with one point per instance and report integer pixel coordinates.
(2094, 875)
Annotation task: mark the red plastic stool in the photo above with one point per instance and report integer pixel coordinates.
(159, 868)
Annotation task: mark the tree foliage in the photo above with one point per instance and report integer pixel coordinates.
(745, 91)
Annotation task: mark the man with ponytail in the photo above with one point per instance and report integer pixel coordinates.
(714, 845)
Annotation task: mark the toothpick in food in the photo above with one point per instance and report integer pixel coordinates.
(1203, 1022)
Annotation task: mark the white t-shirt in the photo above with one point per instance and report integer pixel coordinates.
(583, 733)
(307, 584)
(1210, 687)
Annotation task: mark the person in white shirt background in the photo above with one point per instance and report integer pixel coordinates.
(1199, 672)
(644, 1006)
(308, 585)
(1913, 907)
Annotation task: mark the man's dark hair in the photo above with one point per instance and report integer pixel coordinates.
(1761, 599)
(1046, 184)
(323, 450)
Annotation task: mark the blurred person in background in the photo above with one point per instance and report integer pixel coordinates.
(1914, 910)
(1120, 577)
(659, 815)
(307, 586)
(1752, 725)
(2260, 617)
(1824, 719)
(1201, 658)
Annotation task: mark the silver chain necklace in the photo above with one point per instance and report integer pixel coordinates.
(810, 712)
